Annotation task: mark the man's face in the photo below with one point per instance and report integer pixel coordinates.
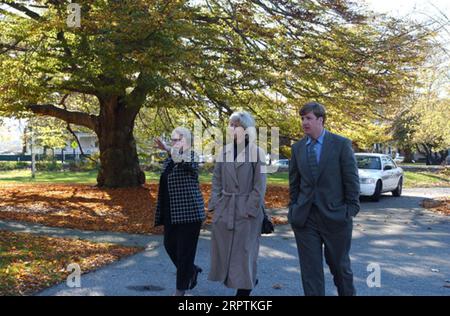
(312, 126)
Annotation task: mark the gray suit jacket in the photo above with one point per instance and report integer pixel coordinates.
(336, 190)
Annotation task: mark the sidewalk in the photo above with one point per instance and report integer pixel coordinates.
(152, 273)
(123, 239)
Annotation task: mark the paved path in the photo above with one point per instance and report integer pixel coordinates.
(95, 236)
(411, 246)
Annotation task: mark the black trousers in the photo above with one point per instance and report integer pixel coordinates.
(311, 239)
(180, 241)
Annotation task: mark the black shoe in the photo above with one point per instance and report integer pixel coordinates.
(243, 292)
(193, 283)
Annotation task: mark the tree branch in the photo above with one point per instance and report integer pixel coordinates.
(78, 118)
(23, 9)
(79, 144)
(136, 98)
(69, 128)
(4, 48)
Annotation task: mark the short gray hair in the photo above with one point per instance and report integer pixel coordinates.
(244, 118)
(185, 133)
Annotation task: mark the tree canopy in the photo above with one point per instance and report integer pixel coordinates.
(203, 59)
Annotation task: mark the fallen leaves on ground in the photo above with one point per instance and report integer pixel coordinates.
(86, 207)
(439, 205)
(279, 220)
(81, 206)
(29, 263)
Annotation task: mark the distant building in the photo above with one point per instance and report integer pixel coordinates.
(89, 143)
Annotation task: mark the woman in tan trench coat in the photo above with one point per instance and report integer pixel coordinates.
(237, 197)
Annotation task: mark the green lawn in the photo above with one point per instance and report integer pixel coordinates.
(24, 176)
(426, 179)
(412, 179)
(89, 177)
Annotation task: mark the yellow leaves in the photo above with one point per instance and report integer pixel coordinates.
(44, 260)
(441, 205)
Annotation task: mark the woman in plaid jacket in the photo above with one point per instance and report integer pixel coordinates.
(180, 207)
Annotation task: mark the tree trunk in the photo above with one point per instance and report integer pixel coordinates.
(408, 154)
(428, 154)
(119, 164)
(442, 156)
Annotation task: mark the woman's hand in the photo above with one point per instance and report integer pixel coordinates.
(161, 145)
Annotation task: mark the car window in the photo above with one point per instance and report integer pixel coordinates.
(387, 162)
(392, 162)
(368, 162)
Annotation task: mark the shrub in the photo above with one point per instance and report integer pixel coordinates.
(48, 165)
(82, 165)
(13, 165)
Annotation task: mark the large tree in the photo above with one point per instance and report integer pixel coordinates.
(204, 58)
(422, 123)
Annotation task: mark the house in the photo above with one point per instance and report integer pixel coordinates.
(88, 142)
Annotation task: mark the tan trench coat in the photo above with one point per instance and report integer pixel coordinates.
(237, 196)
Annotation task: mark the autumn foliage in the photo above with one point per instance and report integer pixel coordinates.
(31, 263)
(85, 207)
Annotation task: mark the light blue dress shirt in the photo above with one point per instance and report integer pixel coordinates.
(318, 145)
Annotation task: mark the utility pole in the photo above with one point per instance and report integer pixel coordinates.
(33, 158)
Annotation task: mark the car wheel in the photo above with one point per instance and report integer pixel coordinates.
(398, 190)
(377, 194)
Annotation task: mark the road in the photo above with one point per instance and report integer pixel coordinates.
(409, 245)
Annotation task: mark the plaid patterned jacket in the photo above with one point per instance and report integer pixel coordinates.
(186, 200)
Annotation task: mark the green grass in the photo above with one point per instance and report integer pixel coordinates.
(410, 164)
(24, 176)
(412, 179)
(426, 179)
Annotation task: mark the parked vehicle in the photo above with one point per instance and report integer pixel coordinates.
(399, 159)
(282, 163)
(378, 173)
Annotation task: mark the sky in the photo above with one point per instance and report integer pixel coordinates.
(418, 10)
(10, 136)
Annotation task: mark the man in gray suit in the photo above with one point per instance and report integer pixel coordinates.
(324, 198)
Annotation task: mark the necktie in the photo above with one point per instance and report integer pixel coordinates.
(312, 159)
